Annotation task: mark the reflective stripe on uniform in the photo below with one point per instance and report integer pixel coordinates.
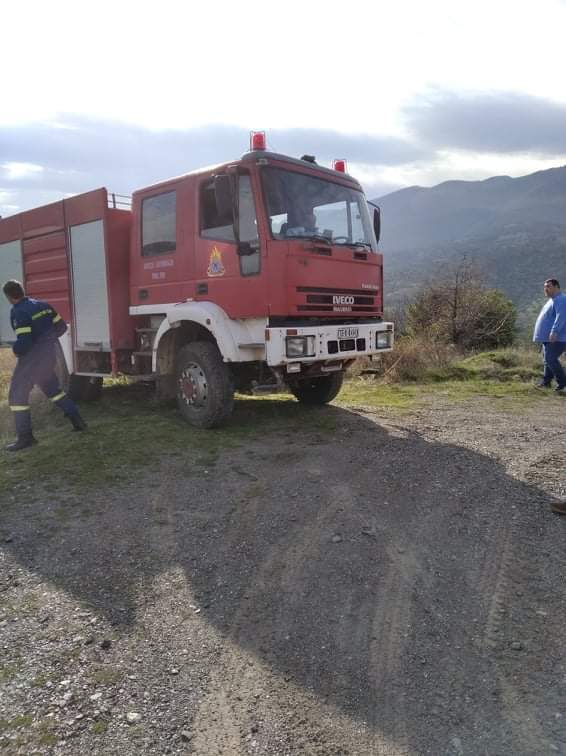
(19, 408)
(56, 398)
(57, 318)
(41, 314)
(23, 329)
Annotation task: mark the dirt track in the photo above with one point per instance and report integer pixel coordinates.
(393, 588)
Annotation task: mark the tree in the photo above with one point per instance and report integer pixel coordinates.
(458, 309)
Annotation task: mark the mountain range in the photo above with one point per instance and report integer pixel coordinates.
(514, 228)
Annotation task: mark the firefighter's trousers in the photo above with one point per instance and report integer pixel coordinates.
(36, 368)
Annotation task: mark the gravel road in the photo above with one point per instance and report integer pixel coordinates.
(394, 587)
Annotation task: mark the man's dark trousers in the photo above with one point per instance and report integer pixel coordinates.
(36, 368)
(552, 368)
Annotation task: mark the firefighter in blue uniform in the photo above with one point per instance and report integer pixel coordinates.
(37, 326)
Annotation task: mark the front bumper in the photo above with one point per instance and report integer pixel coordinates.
(329, 343)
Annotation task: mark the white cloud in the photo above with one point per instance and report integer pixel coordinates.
(308, 65)
(465, 166)
(12, 171)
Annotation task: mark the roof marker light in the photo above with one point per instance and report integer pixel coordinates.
(257, 140)
(339, 165)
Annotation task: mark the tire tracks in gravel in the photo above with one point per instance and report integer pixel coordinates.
(390, 620)
(361, 638)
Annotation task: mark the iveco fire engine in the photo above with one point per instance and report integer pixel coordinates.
(257, 274)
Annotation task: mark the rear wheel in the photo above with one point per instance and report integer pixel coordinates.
(205, 393)
(85, 388)
(319, 390)
(80, 388)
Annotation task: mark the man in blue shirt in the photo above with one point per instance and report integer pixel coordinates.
(37, 327)
(550, 331)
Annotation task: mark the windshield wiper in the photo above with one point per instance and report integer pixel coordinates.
(365, 245)
(310, 237)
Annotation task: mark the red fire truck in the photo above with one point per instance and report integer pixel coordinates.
(258, 274)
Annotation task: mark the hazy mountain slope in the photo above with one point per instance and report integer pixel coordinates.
(515, 228)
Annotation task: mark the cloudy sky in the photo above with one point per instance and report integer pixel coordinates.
(123, 94)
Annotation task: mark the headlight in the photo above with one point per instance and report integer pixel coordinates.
(300, 346)
(383, 340)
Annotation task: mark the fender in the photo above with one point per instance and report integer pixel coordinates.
(238, 340)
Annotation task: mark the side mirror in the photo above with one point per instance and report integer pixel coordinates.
(223, 193)
(377, 223)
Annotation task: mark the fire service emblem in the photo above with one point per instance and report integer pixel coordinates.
(215, 264)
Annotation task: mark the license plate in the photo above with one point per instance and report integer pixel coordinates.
(348, 333)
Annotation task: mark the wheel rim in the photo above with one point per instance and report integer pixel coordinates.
(193, 387)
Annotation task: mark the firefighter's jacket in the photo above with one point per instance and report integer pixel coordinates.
(34, 322)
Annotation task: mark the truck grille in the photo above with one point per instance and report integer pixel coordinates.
(319, 298)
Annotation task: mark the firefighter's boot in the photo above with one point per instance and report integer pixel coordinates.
(24, 435)
(22, 442)
(77, 421)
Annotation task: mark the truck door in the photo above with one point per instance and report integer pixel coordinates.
(228, 254)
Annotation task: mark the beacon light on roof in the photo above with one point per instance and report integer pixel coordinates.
(257, 140)
(339, 165)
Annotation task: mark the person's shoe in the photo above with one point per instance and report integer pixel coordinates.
(558, 507)
(542, 384)
(77, 422)
(560, 390)
(22, 442)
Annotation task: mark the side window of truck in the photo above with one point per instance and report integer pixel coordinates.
(214, 225)
(250, 262)
(159, 224)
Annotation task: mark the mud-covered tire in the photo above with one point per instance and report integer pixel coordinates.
(319, 390)
(204, 388)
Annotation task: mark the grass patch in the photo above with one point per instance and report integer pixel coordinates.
(107, 677)
(8, 672)
(463, 390)
(502, 366)
(23, 720)
(28, 604)
(48, 739)
(99, 728)
(39, 681)
(129, 430)
(370, 392)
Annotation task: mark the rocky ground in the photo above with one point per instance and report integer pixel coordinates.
(389, 585)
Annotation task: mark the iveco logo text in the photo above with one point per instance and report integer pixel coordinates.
(342, 300)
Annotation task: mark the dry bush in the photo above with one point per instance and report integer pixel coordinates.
(7, 364)
(414, 357)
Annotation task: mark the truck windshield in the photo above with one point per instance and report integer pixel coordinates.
(299, 205)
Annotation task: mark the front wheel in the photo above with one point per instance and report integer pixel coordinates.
(205, 393)
(319, 390)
